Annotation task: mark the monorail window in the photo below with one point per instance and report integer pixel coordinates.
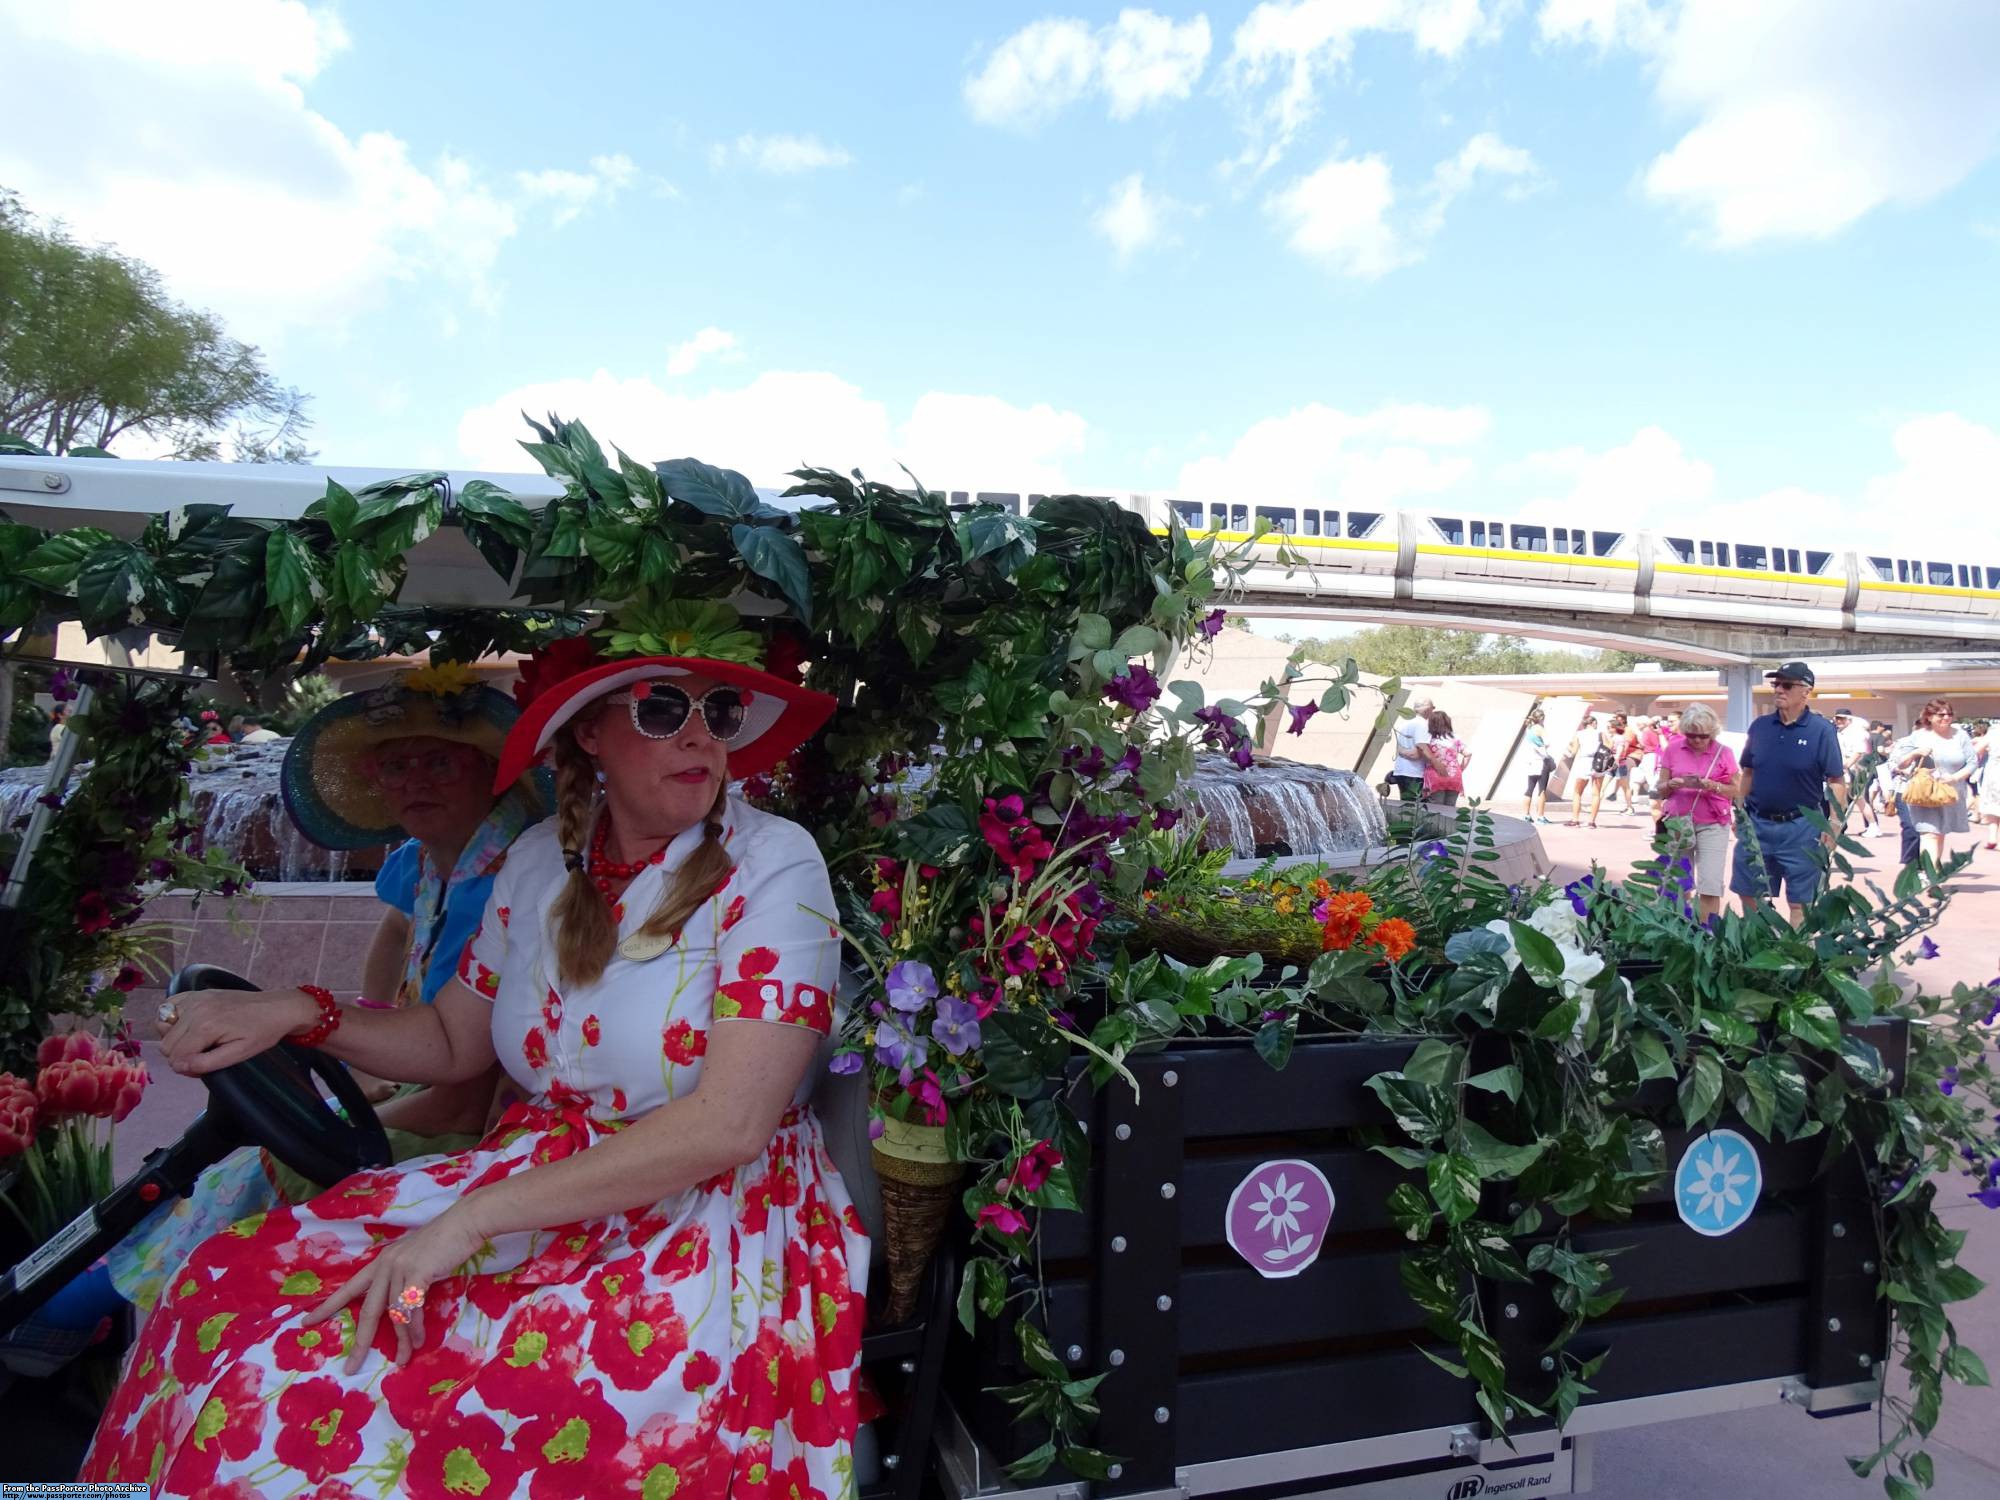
(1941, 575)
(1239, 518)
(1009, 502)
(1362, 522)
(1309, 522)
(1792, 559)
(1902, 570)
(1451, 529)
(1283, 517)
(1329, 523)
(1218, 517)
(1604, 543)
(1881, 566)
(1965, 573)
(1479, 533)
(1816, 561)
(1708, 554)
(1569, 540)
(1682, 547)
(1531, 539)
(1749, 557)
(1993, 578)
(1190, 513)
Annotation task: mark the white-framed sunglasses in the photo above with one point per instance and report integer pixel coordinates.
(660, 709)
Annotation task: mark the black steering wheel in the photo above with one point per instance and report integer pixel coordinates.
(270, 1100)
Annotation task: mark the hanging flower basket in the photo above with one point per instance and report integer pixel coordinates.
(919, 1185)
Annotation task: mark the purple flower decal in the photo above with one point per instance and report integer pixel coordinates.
(956, 1026)
(911, 986)
(1136, 687)
(1302, 715)
(1211, 624)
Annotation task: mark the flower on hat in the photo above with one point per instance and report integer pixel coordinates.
(556, 662)
(681, 627)
(442, 679)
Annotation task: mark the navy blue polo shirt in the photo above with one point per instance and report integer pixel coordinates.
(1790, 764)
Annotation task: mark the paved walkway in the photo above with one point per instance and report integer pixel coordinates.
(1775, 1453)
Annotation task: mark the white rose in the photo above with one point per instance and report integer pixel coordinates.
(1579, 968)
(1559, 923)
(1504, 929)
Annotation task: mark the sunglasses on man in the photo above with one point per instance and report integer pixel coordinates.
(659, 710)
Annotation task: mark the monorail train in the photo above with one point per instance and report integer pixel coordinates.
(1463, 558)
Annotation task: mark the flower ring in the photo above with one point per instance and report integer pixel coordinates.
(169, 1014)
(411, 1299)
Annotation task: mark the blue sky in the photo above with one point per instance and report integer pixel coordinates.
(1724, 262)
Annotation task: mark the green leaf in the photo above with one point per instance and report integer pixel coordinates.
(1494, 1157)
(1505, 1080)
(290, 580)
(772, 554)
(1087, 1463)
(1422, 1110)
(1651, 1056)
(56, 562)
(1539, 955)
(111, 588)
(1409, 1212)
(1454, 1183)
(1274, 1041)
(338, 508)
(1700, 1087)
(1967, 1368)
(1811, 1020)
(712, 491)
(1434, 1061)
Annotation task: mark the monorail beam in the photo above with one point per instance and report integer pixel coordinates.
(1698, 642)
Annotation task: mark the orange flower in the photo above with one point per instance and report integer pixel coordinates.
(1321, 889)
(1394, 937)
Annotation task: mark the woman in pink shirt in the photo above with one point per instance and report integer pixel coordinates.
(1698, 782)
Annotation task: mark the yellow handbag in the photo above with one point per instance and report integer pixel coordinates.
(1926, 790)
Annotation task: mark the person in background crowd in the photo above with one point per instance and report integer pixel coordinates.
(1445, 759)
(1407, 773)
(254, 732)
(58, 727)
(1625, 749)
(212, 732)
(1989, 784)
(1590, 759)
(1791, 766)
(1651, 742)
(1541, 766)
(1697, 781)
(1857, 749)
(1882, 741)
(1947, 752)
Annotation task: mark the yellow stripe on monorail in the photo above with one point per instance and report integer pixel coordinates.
(1290, 539)
(1567, 559)
(1953, 590)
(1754, 575)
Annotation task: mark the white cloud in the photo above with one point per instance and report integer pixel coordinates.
(182, 135)
(1284, 49)
(1141, 59)
(780, 155)
(1374, 460)
(1808, 114)
(1647, 481)
(684, 356)
(568, 194)
(1133, 219)
(783, 419)
(1339, 217)
(1342, 215)
(1950, 476)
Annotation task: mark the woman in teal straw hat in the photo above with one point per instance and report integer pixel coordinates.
(410, 764)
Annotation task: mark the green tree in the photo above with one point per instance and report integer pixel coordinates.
(92, 349)
(1419, 651)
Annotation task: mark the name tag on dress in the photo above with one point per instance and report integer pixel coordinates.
(643, 946)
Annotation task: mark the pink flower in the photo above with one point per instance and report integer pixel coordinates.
(929, 1096)
(1001, 1219)
(1033, 1169)
(92, 913)
(129, 979)
(19, 1109)
(69, 1046)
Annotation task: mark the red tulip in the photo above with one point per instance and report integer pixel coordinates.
(18, 1110)
(68, 1046)
(130, 1086)
(72, 1088)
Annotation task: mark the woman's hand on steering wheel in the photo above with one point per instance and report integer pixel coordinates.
(212, 1029)
(397, 1280)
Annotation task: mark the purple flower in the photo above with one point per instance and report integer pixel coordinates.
(1164, 817)
(1129, 761)
(1211, 625)
(896, 1048)
(1927, 949)
(911, 985)
(876, 1125)
(160, 869)
(51, 800)
(1993, 1013)
(956, 1026)
(1579, 892)
(1948, 1083)
(1988, 1195)
(1302, 715)
(1435, 849)
(1242, 756)
(844, 1063)
(1155, 875)
(62, 686)
(1136, 687)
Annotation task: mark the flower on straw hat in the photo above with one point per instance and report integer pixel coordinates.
(441, 679)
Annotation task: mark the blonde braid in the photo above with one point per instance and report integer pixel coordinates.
(700, 877)
(586, 935)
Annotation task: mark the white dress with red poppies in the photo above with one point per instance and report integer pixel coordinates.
(704, 1345)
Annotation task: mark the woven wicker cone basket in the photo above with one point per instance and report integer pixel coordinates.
(916, 1197)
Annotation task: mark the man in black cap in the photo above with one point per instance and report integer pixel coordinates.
(1791, 766)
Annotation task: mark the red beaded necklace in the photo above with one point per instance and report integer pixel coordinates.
(604, 870)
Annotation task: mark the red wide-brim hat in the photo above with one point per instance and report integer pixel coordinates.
(779, 716)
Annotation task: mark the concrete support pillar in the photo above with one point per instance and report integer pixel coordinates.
(1740, 683)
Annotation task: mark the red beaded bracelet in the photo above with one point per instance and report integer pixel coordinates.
(329, 1017)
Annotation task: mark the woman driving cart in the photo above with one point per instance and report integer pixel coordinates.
(411, 764)
(648, 1278)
